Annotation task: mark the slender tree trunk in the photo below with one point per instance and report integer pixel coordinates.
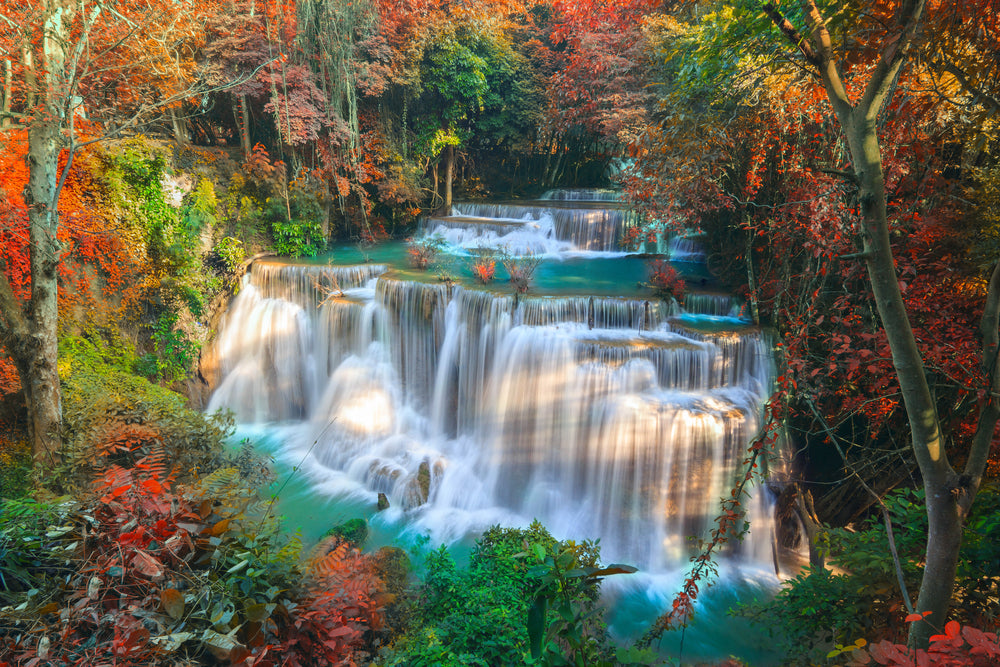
(180, 127)
(244, 126)
(943, 513)
(7, 86)
(41, 197)
(449, 177)
(948, 495)
(434, 175)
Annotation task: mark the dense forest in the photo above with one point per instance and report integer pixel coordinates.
(837, 161)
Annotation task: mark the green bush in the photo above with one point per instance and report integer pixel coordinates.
(298, 238)
(106, 406)
(176, 353)
(354, 532)
(480, 615)
(15, 466)
(231, 252)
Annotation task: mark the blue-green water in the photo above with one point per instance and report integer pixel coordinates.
(590, 405)
(632, 601)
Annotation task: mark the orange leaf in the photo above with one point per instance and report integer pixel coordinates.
(219, 528)
(172, 601)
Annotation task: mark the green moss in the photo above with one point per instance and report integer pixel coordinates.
(354, 532)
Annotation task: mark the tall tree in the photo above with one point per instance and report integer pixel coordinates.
(949, 493)
(108, 64)
(854, 75)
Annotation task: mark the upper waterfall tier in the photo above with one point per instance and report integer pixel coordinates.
(582, 194)
(541, 227)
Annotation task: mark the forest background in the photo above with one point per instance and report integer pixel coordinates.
(150, 148)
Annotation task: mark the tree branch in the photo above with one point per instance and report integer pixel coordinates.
(789, 31)
(977, 93)
(883, 79)
(827, 66)
(989, 330)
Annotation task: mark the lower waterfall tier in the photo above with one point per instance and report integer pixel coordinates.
(603, 417)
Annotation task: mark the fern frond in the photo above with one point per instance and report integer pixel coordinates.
(221, 482)
(328, 560)
(291, 552)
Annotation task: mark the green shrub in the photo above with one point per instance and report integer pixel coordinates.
(107, 407)
(354, 532)
(231, 252)
(480, 615)
(15, 466)
(176, 353)
(298, 238)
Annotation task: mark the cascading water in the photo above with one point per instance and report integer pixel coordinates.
(604, 417)
(542, 227)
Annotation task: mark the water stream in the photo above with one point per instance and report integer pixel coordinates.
(604, 413)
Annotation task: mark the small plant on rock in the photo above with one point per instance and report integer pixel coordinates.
(423, 252)
(520, 268)
(665, 280)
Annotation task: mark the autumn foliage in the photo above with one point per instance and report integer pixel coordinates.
(157, 572)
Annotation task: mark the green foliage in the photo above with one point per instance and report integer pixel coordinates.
(354, 532)
(474, 84)
(232, 253)
(132, 176)
(200, 211)
(298, 238)
(482, 615)
(175, 354)
(243, 210)
(817, 608)
(295, 220)
(107, 407)
(568, 582)
(32, 545)
(15, 466)
(132, 179)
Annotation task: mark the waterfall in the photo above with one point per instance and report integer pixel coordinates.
(542, 227)
(612, 417)
(602, 416)
(718, 305)
(581, 194)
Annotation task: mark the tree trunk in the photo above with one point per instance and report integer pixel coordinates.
(41, 196)
(244, 126)
(944, 518)
(7, 88)
(180, 126)
(434, 175)
(449, 177)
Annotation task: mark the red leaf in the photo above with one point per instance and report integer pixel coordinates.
(147, 565)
